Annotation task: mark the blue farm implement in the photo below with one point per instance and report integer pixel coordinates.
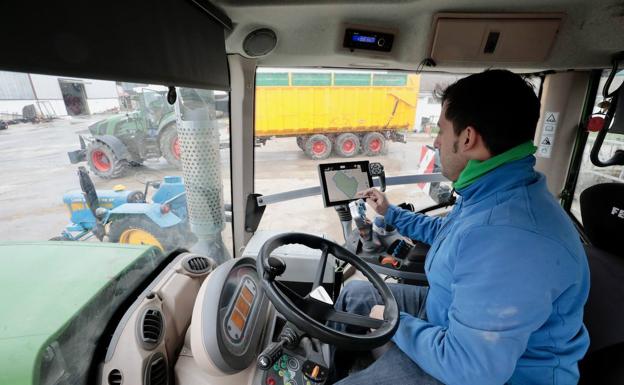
(125, 216)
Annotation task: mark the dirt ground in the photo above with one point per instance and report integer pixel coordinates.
(36, 172)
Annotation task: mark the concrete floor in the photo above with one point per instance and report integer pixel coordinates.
(36, 172)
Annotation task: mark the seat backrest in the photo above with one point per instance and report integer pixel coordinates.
(603, 222)
(602, 210)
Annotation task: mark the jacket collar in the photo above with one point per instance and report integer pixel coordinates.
(513, 174)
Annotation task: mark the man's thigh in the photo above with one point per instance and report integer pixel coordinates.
(360, 296)
(393, 368)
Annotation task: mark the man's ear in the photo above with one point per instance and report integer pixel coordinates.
(471, 142)
(470, 139)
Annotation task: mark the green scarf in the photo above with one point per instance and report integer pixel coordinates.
(476, 168)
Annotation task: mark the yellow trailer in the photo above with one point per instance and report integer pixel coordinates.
(346, 112)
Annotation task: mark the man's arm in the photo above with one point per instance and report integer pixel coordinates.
(413, 225)
(501, 293)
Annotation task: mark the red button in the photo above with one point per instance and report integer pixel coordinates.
(270, 381)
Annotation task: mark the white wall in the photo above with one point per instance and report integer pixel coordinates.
(100, 89)
(46, 87)
(425, 109)
(97, 106)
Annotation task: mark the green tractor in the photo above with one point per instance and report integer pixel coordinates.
(126, 140)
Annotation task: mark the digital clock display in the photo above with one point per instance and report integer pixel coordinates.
(364, 39)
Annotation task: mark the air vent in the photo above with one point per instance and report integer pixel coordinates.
(197, 264)
(156, 372)
(114, 377)
(151, 329)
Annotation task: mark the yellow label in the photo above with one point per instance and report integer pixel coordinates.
(119, 187)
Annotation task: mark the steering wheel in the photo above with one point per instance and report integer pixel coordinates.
(311, 315)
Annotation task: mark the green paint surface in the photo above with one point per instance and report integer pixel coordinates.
(44, 287)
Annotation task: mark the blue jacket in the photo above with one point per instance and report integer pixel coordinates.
(508, 281)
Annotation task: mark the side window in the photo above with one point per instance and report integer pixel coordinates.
(125, 135)
(589, 174)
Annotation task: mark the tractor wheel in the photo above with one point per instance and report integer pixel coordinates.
(103, 161)
(318, 147)
(347, 145)
(373, 144)
(140, 230)
(301, 140)
(170, 146)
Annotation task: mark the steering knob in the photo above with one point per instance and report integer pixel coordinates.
(275, 267)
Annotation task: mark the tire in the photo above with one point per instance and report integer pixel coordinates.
(373, 144)
(318, 147)
(131, 228)
(58, 238)
(347, 145)
(103, 162)
(169, 145)
(301, 140)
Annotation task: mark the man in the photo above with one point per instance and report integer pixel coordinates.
(508, 277)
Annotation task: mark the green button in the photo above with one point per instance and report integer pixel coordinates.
(283, 365)
(276, 367)
(281, 373)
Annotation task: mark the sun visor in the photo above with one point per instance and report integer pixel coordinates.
(169, 42)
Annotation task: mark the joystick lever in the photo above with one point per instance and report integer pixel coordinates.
(267, 358)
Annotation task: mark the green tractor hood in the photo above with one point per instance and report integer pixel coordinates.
(109, 125)
(57, 298)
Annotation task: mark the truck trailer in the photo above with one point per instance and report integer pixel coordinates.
(344, 112)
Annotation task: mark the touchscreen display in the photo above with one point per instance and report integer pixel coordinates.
(341, 181)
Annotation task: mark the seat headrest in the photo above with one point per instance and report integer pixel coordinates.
(602, 210)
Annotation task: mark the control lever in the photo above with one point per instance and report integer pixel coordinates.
(266, 359)
(377, 169)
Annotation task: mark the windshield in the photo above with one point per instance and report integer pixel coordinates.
(130, 140)
(307, 117)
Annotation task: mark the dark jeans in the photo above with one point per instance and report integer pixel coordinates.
(393, 367)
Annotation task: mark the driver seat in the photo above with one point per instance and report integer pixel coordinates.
(602, 211)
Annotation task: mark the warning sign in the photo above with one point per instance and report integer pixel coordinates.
(551, 117)
(547, 140)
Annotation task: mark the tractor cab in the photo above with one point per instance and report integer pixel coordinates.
(213, 212)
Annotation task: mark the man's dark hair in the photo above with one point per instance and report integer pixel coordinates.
(500, 105)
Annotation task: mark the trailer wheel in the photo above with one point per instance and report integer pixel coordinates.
(103, 162)
(318, 147)
(170, 145)
(373, 144)
(347, 145)
(301, 140)
(140, 230)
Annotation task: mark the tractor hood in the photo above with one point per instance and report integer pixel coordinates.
(57, 299)
(107, 126)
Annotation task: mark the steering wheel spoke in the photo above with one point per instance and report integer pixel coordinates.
(292, 295)
(320, 269)
(354, 319)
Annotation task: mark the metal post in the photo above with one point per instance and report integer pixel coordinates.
(198, 135)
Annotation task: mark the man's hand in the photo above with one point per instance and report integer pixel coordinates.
(375, 199)
(377, 312)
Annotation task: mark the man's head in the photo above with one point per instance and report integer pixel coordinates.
(484, 115)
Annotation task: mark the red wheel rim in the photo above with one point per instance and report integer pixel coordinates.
(175, 147)
(348, 146)
(375, 145)
(100, 160)
(319, 147)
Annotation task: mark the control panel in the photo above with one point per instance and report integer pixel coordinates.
(291, 369)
